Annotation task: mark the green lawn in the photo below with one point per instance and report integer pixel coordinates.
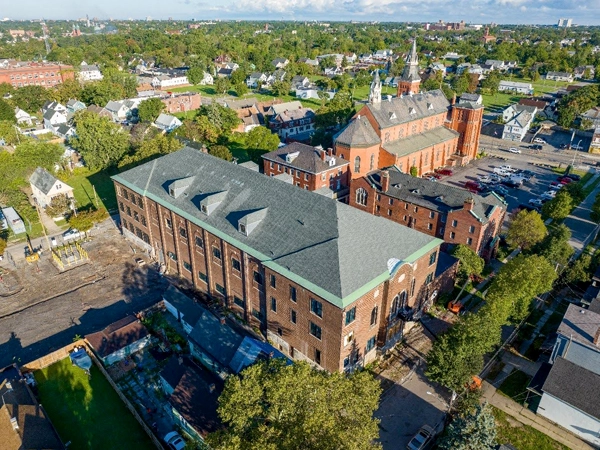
(514, 386)
(87, 411)
(84, 182)
(500, 101)
(552, 323)
(523, 437)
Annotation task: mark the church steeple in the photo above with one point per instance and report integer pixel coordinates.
(375, 92)
(410, 79)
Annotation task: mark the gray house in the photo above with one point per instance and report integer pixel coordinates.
(183, 308)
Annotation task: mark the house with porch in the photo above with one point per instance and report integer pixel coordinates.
(45, 187)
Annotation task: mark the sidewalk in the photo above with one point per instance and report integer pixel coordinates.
(526, 417)
(579, 222)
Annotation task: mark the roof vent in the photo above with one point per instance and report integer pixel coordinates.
(290, 157)
(14, 423)
(412, 110)
(209, 203)
(249, 222)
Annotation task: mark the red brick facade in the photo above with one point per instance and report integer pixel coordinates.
(182, 102)
(454, 227)
(349, 336)
(36, 74)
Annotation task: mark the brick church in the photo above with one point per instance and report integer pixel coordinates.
(414, 129)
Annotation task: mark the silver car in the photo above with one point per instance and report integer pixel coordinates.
(423, 439)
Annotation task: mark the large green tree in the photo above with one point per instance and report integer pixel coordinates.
(30, 98)
(526, 229)
(220, 151)
(274, 406)
(7, 112)
(101, 142)
(149, 149)
(559, 207)
(150, 109)
(474, 431)
(470, 262)
(260, 140)
(555, 247)
(195, 75)
(579, 271)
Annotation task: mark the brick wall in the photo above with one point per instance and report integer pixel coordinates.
(307, 180)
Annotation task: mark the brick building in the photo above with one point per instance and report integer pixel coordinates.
(187, 101)
(28, 73)
(323, 281)
(421, 130)
(312, 168)
(453, 214)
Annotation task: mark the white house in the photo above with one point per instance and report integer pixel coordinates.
(118, 110)
(280, 63)
(75, 105)
(56, 106)
(89, 72)
(169, 81)
(53, 118)
(517, 121)
(167, 123)
(45, 186)
(515, 86)
(300, 81)
(207, 78)
(22, 116)
(119, 340)
(560, 76)
(306, 93)
(255, 78)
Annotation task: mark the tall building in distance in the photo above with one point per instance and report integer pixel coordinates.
(565, 23)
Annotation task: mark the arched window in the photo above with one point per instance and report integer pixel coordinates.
(372, 167)
(361, 196)
(357, 164)
(394, 307)
(374, 313)
(402, 297)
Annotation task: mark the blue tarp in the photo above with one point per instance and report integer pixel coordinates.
(81, 359)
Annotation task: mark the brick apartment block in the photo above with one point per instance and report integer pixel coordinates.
(311, 168)
(28, 73)
(187, 101)
(322, 280)
(421, 130)
(453, 214)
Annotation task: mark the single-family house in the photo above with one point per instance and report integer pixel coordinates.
(75, 105)
(89, 72)
(192, 393)
(207, 78)
(291, 119)
(224, 73)
(118, 110)
(56, 106)
(517, 121)
(515, 86)
(300, 81)
(255, 78)
(14, 221)
(560, 76)
(65, 131)
(280, 63)
(182, 307)
(102, 112)
(119, 340)
(309, 61)
(24, 424)
(585, 72)
(462, 67)
(167, 123)
(53, 118)
(383, 54)
(470, 98)
(23, 117)
(592, 115)
(278, 75)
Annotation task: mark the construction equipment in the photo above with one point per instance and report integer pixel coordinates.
(30, 254)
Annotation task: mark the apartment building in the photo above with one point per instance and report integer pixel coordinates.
(325, 282)
(28, 73)
(453, 214)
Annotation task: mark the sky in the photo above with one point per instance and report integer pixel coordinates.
(586, 12)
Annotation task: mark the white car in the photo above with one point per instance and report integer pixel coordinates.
(514, 150)
(484, 179)
(71, 234)
(174, 441)
(538, 202)
(423, 439)
(549, 195)
(539, 141)
(507, 168)
(500, 171)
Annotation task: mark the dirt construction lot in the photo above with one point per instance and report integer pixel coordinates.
(42, 309)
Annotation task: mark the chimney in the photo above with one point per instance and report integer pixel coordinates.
(597, 338)
(323, 155)
(453, 101)
(330, 151)
(468, 205)
(385, 180)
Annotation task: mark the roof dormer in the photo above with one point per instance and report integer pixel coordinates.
(250, 221)
(290, 157)
(392, 115)
(178, 187)
(430, 106)
(209, 203)
(412, 110)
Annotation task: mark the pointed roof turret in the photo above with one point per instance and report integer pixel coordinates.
(375, 92)
(411, 69)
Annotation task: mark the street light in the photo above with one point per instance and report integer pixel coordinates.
(575, 152)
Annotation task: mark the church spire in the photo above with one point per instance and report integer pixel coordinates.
(410, 79)
(375, 92)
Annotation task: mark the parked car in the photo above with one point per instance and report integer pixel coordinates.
(565, 180)
(536, 147)
(444, 171)
(174, 441)
(574, 176)
(555, 185)
(500, 171)
(539, 141)
(536, 202)
(499, 190)
(511, 183)
(72, 233)
(527, 207)
(473, 186)
(437, 176)
(507, 168)
(484, 179)
(514, 150)
(423, 439)
(549, 195)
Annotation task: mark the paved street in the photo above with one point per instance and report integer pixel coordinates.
(582, 228)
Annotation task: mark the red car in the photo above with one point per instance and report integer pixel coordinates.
(473, 186)
(444, 171)
(565, 180)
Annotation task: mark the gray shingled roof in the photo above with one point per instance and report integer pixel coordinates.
(580, 325)
(434, 195)
(42, 179)
(575, 386)
(427, 139)
(308, 160)
(326, 246)
(424, 104)
(358, 133)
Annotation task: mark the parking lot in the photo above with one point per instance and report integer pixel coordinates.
(516, 196)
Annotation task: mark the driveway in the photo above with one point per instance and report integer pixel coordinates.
(407, 407)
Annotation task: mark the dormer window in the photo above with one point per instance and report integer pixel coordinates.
(416, 191)
(430, 106)
(209, 203)
(204, 209)
(412, 110)
(177, 187)
(392, 115)
(242, 228)
(249, 222)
